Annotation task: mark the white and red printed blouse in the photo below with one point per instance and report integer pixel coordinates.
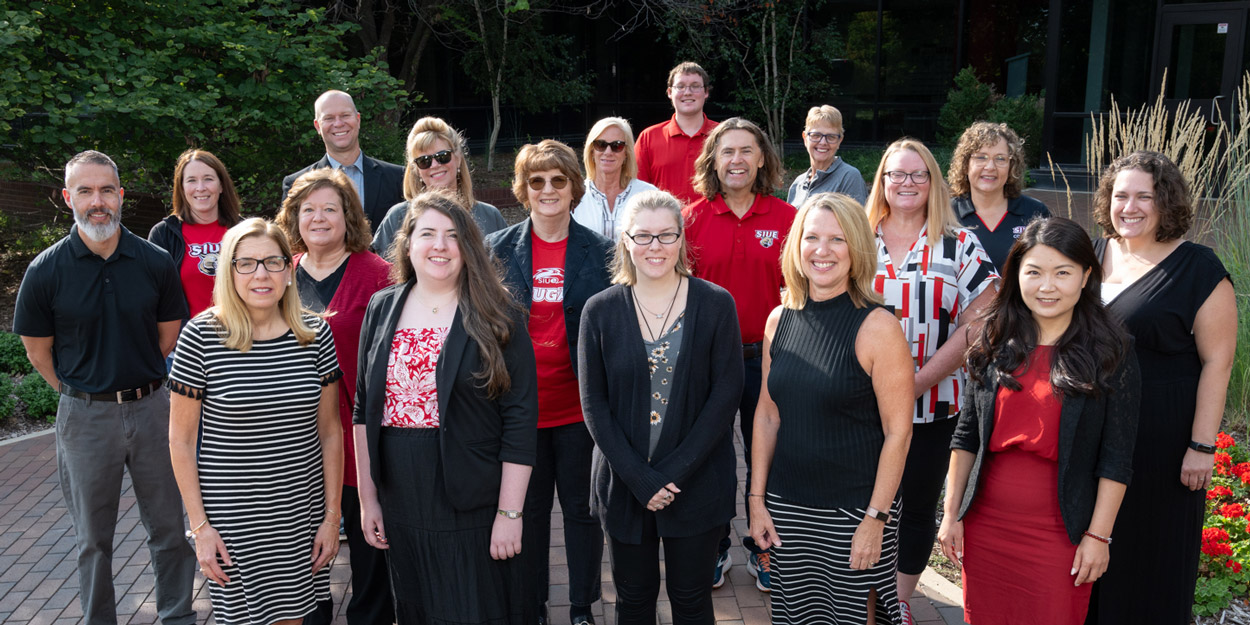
(927, 291)
(411, 392)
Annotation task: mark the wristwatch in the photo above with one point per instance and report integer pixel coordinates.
(1202, 447)
(874, 513)
(510, 514)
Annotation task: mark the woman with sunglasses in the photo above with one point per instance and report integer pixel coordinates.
(661, 373)
(937, 278)
(261, 375)
(611, 176)
(552, 265)
(986, 176)
(822, 134)
(436, 160)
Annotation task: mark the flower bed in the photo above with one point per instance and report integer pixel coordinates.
(1224, 566)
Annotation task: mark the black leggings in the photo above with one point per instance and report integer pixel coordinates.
(687, 560)
(927, 461)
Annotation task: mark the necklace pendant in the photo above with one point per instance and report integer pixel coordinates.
(435, 310)
(659, 316)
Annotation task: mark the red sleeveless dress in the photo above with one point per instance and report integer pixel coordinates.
(1017, 556)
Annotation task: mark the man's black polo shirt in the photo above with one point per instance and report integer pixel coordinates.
(102, 314)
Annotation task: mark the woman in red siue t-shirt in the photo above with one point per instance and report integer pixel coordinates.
(205, 206)
(552, 265)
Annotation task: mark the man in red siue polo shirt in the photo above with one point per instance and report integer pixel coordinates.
(666, 151)
(736, 232)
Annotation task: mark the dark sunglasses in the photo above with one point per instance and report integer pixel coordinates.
(603, 146)
(442, 156)
(537, 183)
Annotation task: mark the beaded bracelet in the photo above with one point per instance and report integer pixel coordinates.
(191, 532)
(1101, 539)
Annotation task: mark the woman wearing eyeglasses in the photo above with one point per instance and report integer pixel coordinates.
(986, 177)
(436, 160)
(661, 373)
(552, 265)
(611, 176)
(822, 134)
(263, 495)
(937, 278)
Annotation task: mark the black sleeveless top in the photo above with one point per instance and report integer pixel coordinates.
(830, 435)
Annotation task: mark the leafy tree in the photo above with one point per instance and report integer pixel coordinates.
(508, 54)
(971, 100)
(143, 80)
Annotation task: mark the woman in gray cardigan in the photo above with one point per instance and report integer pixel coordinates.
(660, 370)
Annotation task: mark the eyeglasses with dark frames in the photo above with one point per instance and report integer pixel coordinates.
(898, 177)
(696, 88)
(538, 183)
(273, 264)
(645, 238)
(425, 161)
(817, 137)
(603, 146)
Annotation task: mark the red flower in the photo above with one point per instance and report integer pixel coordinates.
(1234, 565)
(1231, 511)
(1222, 462)
(1240, 469)
(1215, 492)
(1224, 441)
(1214, 534)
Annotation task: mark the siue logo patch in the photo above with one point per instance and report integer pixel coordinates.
(766, 237)
(1016, 231)
(207, 253)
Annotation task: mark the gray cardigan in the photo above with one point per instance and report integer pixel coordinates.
(695, 450)
(1096, 440)
(841, 177)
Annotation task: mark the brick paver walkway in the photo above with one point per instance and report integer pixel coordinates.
(39, 581)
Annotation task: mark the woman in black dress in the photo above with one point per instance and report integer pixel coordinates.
(1177, 300)
(446, 403)
(660, 369)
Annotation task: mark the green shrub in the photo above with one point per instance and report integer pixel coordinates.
(13, 355)
(7, 401)
(39, 398)
(971, 101)
(966, 103)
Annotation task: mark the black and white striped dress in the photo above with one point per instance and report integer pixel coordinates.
(260, 464)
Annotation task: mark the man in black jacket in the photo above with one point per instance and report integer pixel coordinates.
(379, 183)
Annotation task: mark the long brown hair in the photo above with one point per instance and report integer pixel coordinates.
(357, 235)
(486, 307)
(767, 179)
(227, 203)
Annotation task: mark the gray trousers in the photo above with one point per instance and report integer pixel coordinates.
(95, 441)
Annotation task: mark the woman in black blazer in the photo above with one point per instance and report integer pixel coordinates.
(446, 401)
(552, 265)
(1044, 446)
(660, 367)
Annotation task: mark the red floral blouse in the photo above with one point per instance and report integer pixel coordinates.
(411, 393)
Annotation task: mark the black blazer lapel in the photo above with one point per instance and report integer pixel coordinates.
(523, 263)
(1069, 417)
(449, 358)
(373, 185)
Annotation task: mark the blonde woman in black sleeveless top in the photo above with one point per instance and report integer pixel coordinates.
(830, 435)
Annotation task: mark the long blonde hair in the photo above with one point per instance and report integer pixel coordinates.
(230, 312)
(629, 168)
(424, 133)
(860, 241)
(941, 217)
(623, 269)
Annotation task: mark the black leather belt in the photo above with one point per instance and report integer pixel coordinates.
(121, 397)
(752, 350)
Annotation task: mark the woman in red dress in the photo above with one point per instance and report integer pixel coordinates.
(1044, 446)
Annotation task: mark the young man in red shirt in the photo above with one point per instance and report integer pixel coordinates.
(736, 232)
(666, 151)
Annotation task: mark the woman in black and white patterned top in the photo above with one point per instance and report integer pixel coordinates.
(263, 494)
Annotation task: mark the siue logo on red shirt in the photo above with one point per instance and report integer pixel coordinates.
(207, 253)
(549, 284)
(766, 237)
